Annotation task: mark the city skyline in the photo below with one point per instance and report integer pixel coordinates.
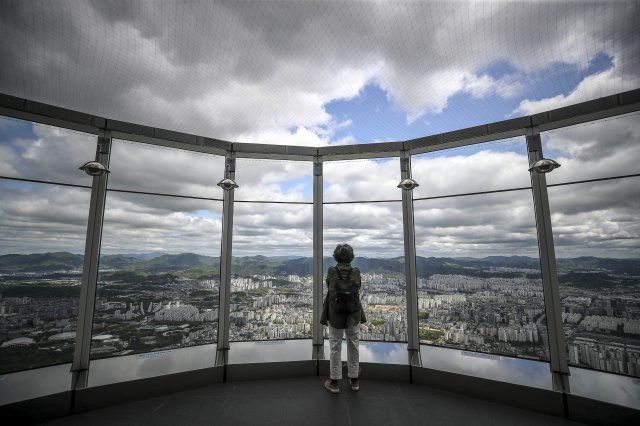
(159, 302)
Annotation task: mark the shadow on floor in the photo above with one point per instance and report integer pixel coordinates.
(304, 401)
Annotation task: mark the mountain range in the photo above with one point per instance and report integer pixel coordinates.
(44, 263)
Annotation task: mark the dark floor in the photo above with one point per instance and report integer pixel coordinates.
(304, 401)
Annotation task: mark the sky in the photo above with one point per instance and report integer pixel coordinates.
(320, 73)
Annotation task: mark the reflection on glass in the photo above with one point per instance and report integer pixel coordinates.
(274, 180)
(611, 388)
(479, 282)
(271, 285)
(495, 367)
(375, 232)
(483, 167)
(42, 236)
(270, 351)
(28, 384)
(151, 168)
(158, 285)
(40, 152)
(594, 150)
(150, 364)
(361, 180)
(596, 230)
(378, 352)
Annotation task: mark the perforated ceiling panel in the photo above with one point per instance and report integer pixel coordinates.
(317, 72)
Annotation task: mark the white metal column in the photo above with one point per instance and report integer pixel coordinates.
(410, 272)
(80, 364)
(222, 353)
(557, 342)
(318, 338)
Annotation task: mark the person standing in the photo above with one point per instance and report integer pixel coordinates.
(343, 313)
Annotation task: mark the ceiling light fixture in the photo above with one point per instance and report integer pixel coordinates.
(228, 184)
(94, 168)
(408, 184)
(544, 165)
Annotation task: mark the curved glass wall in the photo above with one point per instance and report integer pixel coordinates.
(596, 227)
(356, 211)
(159, 276)
(507, 369)
(479, 280)
(42, 236)
(272, 283)
(597, 238)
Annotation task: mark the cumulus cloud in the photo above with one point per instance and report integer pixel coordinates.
(598, 149)
(264, 72)
(589, 219)
(52, 154)
(372, 229)
(608, 82)
(37, 217)
(361, 180)
(485, 167)
(253, 71)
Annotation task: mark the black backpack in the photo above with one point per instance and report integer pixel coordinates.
(346, 294)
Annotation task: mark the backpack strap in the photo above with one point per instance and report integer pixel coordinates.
(340, 275)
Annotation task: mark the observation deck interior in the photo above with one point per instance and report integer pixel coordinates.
(280, 381)
(175, 177)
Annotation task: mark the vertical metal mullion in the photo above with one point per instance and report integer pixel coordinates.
(557, 343)
(222, 353)
(410, 265)
(80, 364)
(318, 337)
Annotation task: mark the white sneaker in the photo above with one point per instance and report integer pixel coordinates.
(333, 388)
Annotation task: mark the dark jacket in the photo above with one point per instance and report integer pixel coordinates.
(328, 310)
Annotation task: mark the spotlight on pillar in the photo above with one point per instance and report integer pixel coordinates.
(227, 184)
(94, 168)
(544, 166)
(408, 184)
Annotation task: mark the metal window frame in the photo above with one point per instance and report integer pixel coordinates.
(529, 126)
(86, 308)
(410, 270)
(318, 239)
(558, 360)
(224, 304)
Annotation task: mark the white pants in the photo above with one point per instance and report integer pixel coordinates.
(335, 343)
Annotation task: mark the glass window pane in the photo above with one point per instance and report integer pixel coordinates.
(361, 180)
(375, 232)
(594, 150)
(28, 384)
(151, 168)
(270, 351)
(524, 372)
(271, 287)
(158, 286)
(376, 351)
(40, 152)
(613, 388)
(42, 237)
(128, 368)
(274, 180)
(479, 281)
(596, 231)
(482, 167)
